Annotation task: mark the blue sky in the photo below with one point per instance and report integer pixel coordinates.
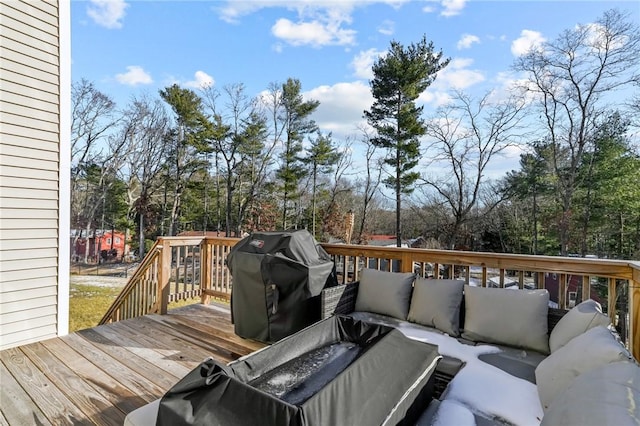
(133, 47)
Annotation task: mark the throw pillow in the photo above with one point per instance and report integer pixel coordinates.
(386, 293)
(607, 395)
(579, 319)
(583, 353)
(508, 317)
(436, 303)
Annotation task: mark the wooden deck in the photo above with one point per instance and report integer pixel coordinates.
(98, 375)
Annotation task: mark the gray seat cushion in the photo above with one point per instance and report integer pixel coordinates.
(517, 362)
(579, 319)
(583, 353)
(608, 395)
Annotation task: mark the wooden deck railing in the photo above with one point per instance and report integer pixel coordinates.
(178, 268)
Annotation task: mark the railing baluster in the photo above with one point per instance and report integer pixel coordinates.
(586, 287)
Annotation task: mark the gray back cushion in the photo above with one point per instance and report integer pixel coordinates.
(607, 395)
(583, 353)
(386, 293)
(515, 318)
(579, 319)
(436, 303)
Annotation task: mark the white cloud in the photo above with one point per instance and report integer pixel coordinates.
(135, 75)
(467, 40)
(314, 33)
(363, 62)
(528, 40)
(233, 10)
(318, 23)
(434, 97)
(202, 80)
(600, 39)
(452, 7)
(457, 75)
(387, 27)
(341, 107)
(107, 13)
(449, 7)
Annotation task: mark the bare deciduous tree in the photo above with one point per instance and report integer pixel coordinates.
(467, 134)
(148, 125)
(370, 183)
(572, 78)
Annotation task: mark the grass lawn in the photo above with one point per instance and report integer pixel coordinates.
(88, 303)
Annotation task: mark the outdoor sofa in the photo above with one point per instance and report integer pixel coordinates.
(507, 357)
(490, 357)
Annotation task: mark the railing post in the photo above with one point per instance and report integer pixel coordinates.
(406, 262)
(612, 295)
(634, 314)
(205, 271)
(164, 276)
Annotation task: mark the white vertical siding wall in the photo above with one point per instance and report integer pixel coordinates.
(34, 169)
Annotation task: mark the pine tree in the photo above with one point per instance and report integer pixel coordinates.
(399, 79)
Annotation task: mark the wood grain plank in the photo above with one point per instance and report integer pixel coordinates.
(137, 384)
(211, 316)
(187, 352)
(140, 365)
(93, 391)
(53, 403)
(112, 332)
(215, 321)
(3, 420)
(15, 405)
(160, 342)
(207, 335)
(83, 396)
(209, 349)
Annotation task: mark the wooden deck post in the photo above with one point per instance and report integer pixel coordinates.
(612, 295)
(205, 271)
(634, 313)
(164, 276)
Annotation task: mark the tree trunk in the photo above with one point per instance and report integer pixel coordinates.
(86, 246)
(141, 246)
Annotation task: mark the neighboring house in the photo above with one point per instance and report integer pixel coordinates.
(35, 108)
(573, 289)
(103, 245)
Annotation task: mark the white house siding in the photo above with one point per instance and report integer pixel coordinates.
(34, 170)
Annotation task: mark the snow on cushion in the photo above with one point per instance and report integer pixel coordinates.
(579, 319)
(515, 318)
(607, 395)
(386, 293)
(436, 303)
(592, 349)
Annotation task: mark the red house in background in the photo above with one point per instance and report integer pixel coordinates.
(103, 245)
(573, 294)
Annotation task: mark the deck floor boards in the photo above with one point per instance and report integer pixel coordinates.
(99, 375)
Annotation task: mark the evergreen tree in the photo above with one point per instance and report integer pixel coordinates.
(321, 157)
(399, 79)
(530, 184)
(185, 143)
(294, 115)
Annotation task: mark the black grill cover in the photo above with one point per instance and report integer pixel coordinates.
(277, 280)
(388, 382)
